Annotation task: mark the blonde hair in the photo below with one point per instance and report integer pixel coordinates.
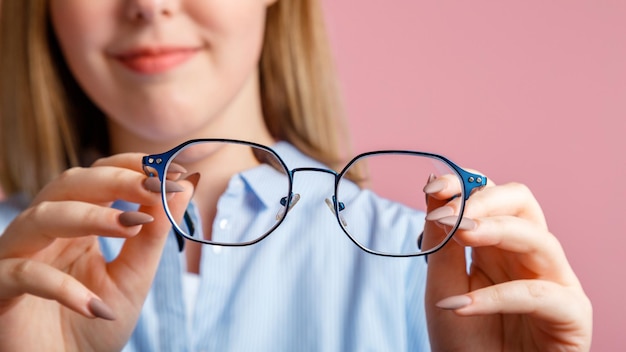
(43, 124)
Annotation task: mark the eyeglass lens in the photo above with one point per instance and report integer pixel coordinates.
(387, 215)
(256, 185)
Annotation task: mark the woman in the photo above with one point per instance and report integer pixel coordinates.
(103, 83)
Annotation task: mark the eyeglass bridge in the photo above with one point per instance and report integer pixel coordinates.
(295, 197)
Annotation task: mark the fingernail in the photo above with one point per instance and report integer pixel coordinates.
(454, 302)
(153, 184)
(174, 168)
(435, 186)
(134, 218)
(100, 309)
(193, 178)
(439, 213)
(466, 223)
(431, 178)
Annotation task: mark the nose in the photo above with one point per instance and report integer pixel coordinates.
(149, 10)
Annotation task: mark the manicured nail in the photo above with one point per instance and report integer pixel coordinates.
(134, 218)
(454, 302)
(100, 309)
(176, 169)
(431, 178)
(439, 213)
(465, 224)
(194, 179)
(435, 186)
(153, 184)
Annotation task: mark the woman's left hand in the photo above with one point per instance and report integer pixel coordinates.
(520, 292)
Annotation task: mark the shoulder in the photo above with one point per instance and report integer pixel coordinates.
(11, 207)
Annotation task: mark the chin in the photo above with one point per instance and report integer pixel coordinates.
(170, 129)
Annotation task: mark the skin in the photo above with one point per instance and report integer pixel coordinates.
(214, 93)
(522, 290)
(58, 259)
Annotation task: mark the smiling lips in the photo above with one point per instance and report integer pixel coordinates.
(155, 60)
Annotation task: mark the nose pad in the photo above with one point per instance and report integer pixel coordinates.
(283, 201)
(341, 206)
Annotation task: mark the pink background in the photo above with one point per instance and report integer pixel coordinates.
(529, 91)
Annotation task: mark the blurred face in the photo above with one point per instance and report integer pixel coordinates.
(166, 70)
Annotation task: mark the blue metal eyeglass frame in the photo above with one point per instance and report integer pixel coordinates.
(160, 163)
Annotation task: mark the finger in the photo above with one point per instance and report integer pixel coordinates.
(449, 263)
(535, 249)
(505, 232)
(38, 226)
(511, 199)
(133, 161)
(23, 276)
(103, 185)
(99, 185)
(137, 262)
(552, 312)
(541, 299)
(447, 186)
(130, 161)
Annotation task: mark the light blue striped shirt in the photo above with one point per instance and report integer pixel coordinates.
(306, 287)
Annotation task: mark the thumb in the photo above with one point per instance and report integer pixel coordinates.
(135, 267)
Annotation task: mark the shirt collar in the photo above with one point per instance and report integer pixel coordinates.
(264, 179)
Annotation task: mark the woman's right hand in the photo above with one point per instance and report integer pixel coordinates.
(57, 290)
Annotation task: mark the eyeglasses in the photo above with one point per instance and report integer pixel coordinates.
(383, 215)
